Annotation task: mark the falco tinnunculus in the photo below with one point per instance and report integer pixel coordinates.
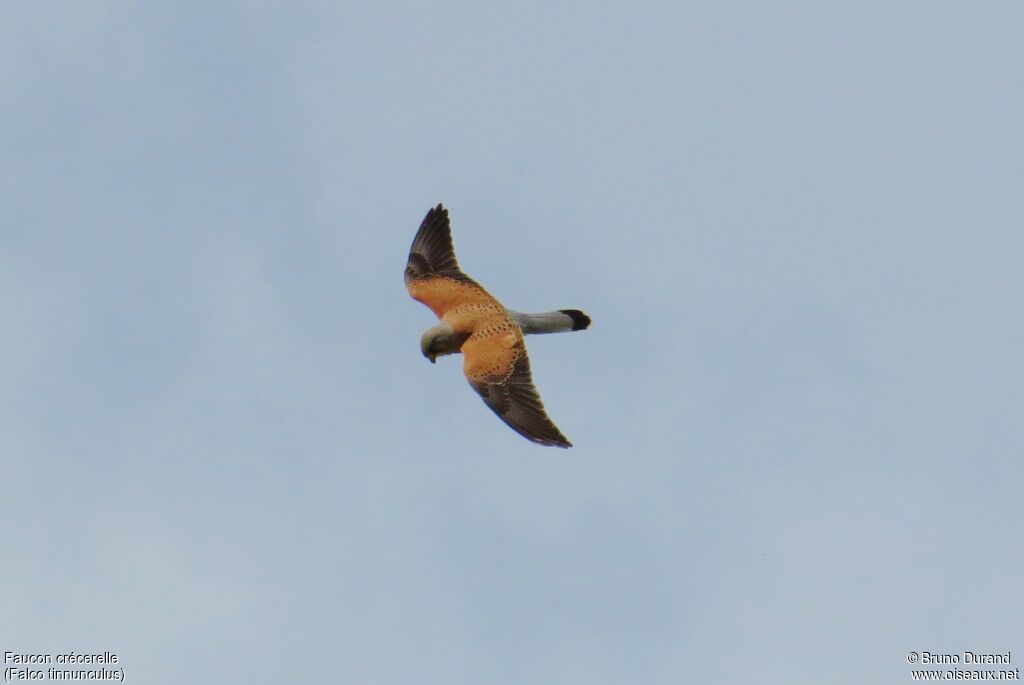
(489, 336)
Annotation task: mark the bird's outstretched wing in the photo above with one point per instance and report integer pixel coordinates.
(498, 368)
(432, 274)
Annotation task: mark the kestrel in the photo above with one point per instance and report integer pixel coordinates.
(489, 336)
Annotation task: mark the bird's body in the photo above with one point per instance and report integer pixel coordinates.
(490, 337)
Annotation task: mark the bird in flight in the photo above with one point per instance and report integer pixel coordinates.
(489, 336)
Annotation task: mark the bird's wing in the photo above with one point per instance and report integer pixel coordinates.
(432, 274)
(497, 367)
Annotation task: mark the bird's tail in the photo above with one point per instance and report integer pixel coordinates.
(552, 322)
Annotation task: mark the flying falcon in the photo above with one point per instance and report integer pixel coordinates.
(489, 336)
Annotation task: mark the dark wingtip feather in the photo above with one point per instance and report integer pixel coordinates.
(435, 214)
(580, 320)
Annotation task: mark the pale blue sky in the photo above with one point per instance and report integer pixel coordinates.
(797, 416)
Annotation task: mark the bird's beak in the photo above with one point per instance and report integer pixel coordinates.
(433, 359)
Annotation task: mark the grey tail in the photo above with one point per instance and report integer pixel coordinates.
(552, 322)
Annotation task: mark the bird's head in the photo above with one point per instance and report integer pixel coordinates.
(426, 347)
(438, 341)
